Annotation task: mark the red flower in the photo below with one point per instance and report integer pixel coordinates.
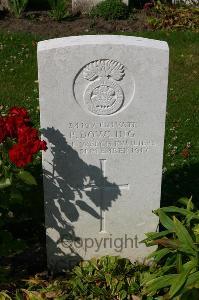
(27, 135)
(28, 142)
(20, 155)
(11, 129)
(43, 145)
(19, 112)
(2, 130)
(30, 137)
(37, 146)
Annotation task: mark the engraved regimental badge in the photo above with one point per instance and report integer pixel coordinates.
(104, 96)
(104, 87)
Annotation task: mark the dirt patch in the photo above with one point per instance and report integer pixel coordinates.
(39, 23)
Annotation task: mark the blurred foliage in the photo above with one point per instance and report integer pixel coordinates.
(173, 18)
(17, 7)
(58, 9)
(110, 10)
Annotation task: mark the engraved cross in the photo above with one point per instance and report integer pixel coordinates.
(103, 188)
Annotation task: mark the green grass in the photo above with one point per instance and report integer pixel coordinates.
(18, 73)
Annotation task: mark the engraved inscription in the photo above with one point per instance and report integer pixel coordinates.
(113, 138)
(104, 96)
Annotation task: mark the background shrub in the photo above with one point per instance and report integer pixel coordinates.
(17, 7)
(58, 9)
(110, 10)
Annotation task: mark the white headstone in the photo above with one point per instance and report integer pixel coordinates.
(4, 4)
(186, 2)
(103, 104)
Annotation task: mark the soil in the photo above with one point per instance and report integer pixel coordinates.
(39, 23)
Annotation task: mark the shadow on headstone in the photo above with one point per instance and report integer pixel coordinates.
(72, 186)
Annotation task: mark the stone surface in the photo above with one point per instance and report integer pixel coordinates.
(4, 4)
(186, 2)
(86, 5)
(103, 104)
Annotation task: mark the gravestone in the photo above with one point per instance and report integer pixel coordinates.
(186, 2)
(4, 5)
(103, 104)
(86, 5)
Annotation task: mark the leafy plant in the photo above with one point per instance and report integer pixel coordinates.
(4, 296)
(19, 143)
(58, 9)
(176, 259)
(103, 278)
(106, 278)
(18, 6)
(171, 17)
(110, 10)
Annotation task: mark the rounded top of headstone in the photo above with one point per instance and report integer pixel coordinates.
(100, 40)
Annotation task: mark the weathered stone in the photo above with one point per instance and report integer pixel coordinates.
(103, 104)
(4, 4)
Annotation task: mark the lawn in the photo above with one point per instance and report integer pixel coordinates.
(19, 86)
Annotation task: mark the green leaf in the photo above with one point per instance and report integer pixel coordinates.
(108, 279)
(158, 283)
(4, 183)
(156, 274)
(192, 281)
(19, 295)
(182, 211)
(191, 264)
(4, 296)
(185, 212)
(165, 220)
(179, 262)
(27, 177)
(159, 254)
(178, 282)
(156, 235)
(190, 205)
(186, 202)
(123, 295)
(184, 236)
